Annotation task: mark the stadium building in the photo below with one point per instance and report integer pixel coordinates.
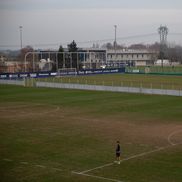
(116, 58)
(84, 58)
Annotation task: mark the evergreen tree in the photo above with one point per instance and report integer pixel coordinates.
(60, 57)
(72, 47)
(72, 57)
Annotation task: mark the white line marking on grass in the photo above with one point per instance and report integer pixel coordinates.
(48, 112)
(26, 113)
(36, 165)
(98, 177)
(25, 163)
(83, 173)
(129, 158)
(86, 119)
(57, 169)
(139, 155)
(42, 113)
(99, 167)
(8, 160)
(126, 159)
(171, 135)
(41, 166)
(18, 106)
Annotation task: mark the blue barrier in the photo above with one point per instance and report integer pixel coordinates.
(26, 75)
(50, 74)
(101, 71)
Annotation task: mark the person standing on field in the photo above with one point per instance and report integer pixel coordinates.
(118, 152)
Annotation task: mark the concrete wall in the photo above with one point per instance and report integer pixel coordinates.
(96, 87)
(13, 82)
(110, 88)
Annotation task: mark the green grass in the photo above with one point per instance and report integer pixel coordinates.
(131, 80)
(74, 130)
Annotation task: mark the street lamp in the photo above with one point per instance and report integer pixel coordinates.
(115, 27)
(21, 27)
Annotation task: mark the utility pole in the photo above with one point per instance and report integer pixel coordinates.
(115, 29)
(21, 28)
(163, 31)
(115, 43)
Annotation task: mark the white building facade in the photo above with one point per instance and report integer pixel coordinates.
(117, 58)
(98, 58)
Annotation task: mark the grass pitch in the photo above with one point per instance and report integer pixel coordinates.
(46, 134)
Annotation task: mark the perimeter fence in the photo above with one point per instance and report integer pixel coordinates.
(139, 90)
(127, 89)
(13, 82)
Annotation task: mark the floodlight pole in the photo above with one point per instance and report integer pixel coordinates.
(115, 29)
(21, 28)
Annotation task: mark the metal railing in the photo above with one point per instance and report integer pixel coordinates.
(110, 88)
(126, 89)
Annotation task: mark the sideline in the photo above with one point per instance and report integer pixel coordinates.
(126, 159)
(171, 144)
(98, 177)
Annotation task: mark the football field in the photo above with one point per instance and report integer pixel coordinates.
(70, 136)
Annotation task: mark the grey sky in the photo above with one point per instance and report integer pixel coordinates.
(67, 4)
(60, 21)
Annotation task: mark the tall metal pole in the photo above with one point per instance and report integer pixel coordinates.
(21, 28)
(56, 62)
(115, 28)
(163, 31)
(77, 62)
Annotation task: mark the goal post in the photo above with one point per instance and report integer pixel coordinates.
(66, 72)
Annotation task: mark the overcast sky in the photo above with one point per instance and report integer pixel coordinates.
(55, 22)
